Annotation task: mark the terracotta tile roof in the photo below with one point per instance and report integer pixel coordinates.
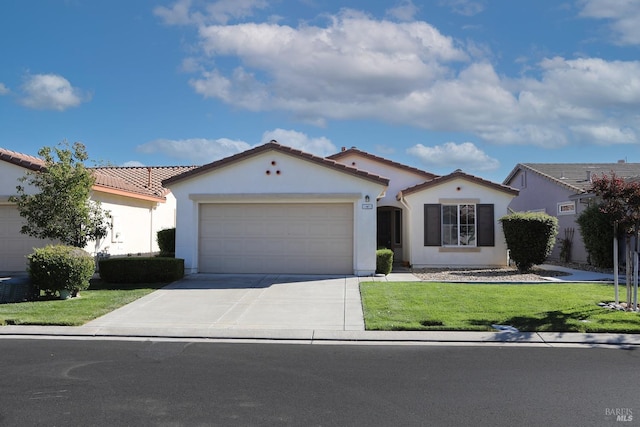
(576, 176)
(354, 150)
(274, 145)
(23, 160)
(458, 174)
(139, 179)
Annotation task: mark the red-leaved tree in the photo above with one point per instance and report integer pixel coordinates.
(621, 201)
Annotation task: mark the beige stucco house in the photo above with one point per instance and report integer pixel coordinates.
(275, 209)
(134, 196)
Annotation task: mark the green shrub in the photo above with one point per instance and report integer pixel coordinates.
(530, 237)
(597, 234)
(57, 267)
(167, 242)
(141, 269)
(384, 261)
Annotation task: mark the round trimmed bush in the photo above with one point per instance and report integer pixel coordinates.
(530, 237)
(57, 267)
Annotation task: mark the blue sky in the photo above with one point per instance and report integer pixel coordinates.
(478, 85)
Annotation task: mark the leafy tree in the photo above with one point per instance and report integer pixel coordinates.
(530, 237)
(621, 201)
(596, 229)
(60, 208)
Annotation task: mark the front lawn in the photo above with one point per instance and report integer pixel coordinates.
(550, 307)
(99, 299)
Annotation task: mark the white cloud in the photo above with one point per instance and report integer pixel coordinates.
(178, 14)
(198, 151)
(409, 73)
(3, 89)
(623, 17)
(605, 134)
(464, 7)
(465, 156)
(50, 92)
(405, 11)
(220, 12)
(319, 146)
(132, 163)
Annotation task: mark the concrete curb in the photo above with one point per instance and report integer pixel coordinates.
(550, 339)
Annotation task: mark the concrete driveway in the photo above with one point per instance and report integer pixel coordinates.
(248, 301)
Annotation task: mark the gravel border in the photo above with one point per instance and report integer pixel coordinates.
(484, 275)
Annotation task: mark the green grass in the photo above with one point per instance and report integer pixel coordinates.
(475, 307)
(99, 299)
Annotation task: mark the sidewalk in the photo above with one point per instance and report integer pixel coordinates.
(579, 275)
(97, 330)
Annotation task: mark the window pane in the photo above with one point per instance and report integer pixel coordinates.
(467, 225)
(459, 225)
(450, 225)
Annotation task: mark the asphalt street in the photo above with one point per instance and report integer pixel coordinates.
(90, 382)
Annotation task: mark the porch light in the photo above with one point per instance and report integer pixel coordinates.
(367, 198)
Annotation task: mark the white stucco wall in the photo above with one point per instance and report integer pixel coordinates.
(135, 224)
(447, 192)
(298, 180)
(9, 175)
(399, 179)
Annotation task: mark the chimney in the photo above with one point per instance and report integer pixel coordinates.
(149, 180)
(622, 161)
(589, 176)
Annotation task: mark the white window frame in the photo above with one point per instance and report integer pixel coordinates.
(458, 226)
(567, 208)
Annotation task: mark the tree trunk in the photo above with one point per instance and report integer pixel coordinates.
(629, 269)
(616, 267)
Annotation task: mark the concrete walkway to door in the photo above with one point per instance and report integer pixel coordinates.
(246, 302)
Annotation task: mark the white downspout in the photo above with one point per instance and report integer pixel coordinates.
(151, 209)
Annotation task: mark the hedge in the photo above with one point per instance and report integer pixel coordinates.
(141, 269)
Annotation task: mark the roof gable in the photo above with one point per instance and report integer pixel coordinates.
(275, 146)
(354, 151)
(23, 160)
(576, 176)
(458, 174)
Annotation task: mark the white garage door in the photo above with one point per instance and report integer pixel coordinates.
(300, 238)
(14, 246)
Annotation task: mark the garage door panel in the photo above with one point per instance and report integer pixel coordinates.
(276, 238)
(15, 246)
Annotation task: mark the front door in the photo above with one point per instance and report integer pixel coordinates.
(390, 230)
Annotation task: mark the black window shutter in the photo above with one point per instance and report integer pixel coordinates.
(486, 225)
(432, 225)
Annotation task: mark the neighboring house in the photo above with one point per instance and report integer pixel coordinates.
(562, 190)
(275, 209)
(134, 196)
